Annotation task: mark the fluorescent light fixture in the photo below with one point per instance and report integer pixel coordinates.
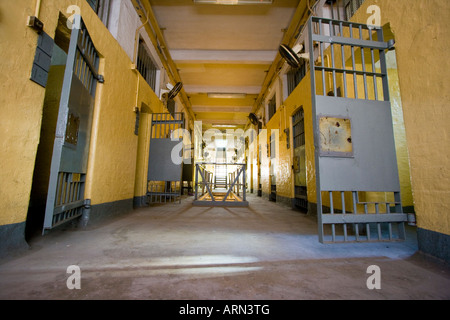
(227, 95)
(234, 2)
(224, 126)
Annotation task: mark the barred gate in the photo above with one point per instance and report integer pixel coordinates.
(65, 198)
(165, 175)
(355, 153)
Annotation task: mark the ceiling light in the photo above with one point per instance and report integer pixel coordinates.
(227, 95)
(224, 126)
(234, 2)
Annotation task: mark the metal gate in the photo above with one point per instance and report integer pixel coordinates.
(233, 193)
(355, 154)
(65, 198)
(164, 167)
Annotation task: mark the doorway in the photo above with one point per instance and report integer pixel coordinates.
(63, 152)
(41, 173)
(299, 163)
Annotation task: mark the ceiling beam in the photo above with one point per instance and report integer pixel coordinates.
(222, 109)
(193, 89)
(241, 122)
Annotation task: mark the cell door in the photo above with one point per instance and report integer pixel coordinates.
(65, 198)
(300, 189)
(165, 164)
(357, 181)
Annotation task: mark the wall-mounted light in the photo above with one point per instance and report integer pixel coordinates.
(234, 2)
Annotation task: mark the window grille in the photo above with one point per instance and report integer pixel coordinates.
(94, 4)
(101, 8)
(272, 106)
(295, 76)
(351, 6)
(298, 124)
(146, 66)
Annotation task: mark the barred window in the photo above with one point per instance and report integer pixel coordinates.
(351, 6)
(145, 65)
(298, 126)
(272, 107)
(101, 8)
(295, 76)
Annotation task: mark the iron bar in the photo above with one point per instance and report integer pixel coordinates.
(343, 212)
(355, 79)
(333, 231)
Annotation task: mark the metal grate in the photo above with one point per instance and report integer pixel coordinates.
(351, 6)
(351, 48)
(101, 8)
(86, 62)
(65, 197)
(273, 193)
(69, 199)
(163, 124)
(351, 105)
(301, 194)
(298, 125)
(206, 193)
(94, 4)
(164, 176)
(362, 221)
(272, 107)
(295, 76)
(164, 191)
(146, 66)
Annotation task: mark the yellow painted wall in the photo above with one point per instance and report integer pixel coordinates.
(20, 115)
(252, 161)
(421, 33)
(301, 96)
(263, 141)
(114, 146)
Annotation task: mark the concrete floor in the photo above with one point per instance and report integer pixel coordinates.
(177, 251)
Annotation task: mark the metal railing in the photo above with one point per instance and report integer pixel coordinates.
(205, 192)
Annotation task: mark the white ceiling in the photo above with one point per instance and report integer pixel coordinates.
(222, 48)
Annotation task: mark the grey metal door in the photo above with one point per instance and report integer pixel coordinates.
(166, 149)
(353, 133)
(65, 198)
